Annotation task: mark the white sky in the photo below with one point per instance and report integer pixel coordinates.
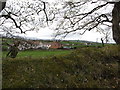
(47, 33)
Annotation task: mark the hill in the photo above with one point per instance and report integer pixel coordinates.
(65, 43)
(87, 67)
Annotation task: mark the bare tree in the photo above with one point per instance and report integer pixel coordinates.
(82, 16)
(19, 17)
(73, 17)
(116, 22)
(13, 50)
(22, 16)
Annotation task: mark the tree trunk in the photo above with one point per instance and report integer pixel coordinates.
(102, 42)
(2, 5)
(116, 22)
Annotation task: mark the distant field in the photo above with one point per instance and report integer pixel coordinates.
(39, 53)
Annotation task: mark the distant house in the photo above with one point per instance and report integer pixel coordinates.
(45, 45)
(56, 45)
(33, 45)
(25, 45)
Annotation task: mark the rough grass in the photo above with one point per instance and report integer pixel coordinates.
(83, 68)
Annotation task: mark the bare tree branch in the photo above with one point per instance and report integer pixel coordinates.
(78, 21)
(25, 15)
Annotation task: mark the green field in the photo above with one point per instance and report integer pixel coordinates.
(87, 67)
(38, 53)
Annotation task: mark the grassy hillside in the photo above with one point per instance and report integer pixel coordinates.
(38, 53)
(83, 68)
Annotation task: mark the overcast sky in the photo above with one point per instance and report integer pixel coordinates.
(47, 33)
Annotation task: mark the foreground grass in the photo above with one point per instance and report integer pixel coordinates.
(84, 68)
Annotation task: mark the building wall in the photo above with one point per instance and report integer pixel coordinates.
(56, 45)
(37, 45)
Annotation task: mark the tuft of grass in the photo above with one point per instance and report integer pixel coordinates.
(87, 67)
